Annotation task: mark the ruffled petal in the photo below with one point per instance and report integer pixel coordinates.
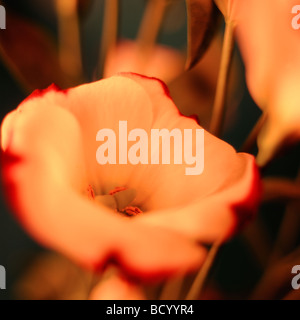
(102, 105)
(49, 159)
(218, 216)
(145, 103)
(168, 186)
(44, 177)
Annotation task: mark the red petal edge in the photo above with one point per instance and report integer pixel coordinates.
(166, 92)
(41, 92)
(246, 210)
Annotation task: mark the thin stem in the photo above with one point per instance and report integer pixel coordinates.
(289, 230)
(259, 241)
(288, 233)
(201, 277)
(26, 86)
(251, 139)
(151, 23)
(222, 85)
(280, 189)
(69, 39)
(277, 278)
(149, 29)
(95, 278)
(286, 241)
(109, 33)
(172, 289)
(91, 281)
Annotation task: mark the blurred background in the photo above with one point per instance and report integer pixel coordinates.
(34, 53)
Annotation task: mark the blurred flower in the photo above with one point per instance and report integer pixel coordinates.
(270, 48)
(114, 286)
(68, 202)
(160, 61)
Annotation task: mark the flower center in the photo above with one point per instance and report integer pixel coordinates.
(120, 199)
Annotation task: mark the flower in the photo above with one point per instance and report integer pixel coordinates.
(270, 49)
(64, 198)
(114, 286)
(160, 61)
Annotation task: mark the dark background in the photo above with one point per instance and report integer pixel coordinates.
(236, 271)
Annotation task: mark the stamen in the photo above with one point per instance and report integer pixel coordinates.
(118, 199)
(132, 211)
(116, 190)
(90, 192)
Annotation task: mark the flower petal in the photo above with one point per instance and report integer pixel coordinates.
(101, 105)
(145, 103)
(223, 169)
(44, 177)
(162, 62)
(116, 287)
(271, 48)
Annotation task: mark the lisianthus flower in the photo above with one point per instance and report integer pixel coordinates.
(270, 48)
(160, 61)
(116, 287)
(70, 203)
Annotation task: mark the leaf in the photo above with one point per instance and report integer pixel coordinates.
(203, 17)
(30, 54)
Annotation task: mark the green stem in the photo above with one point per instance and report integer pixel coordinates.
(172, 289)
(109, 33)
(69, 39)
(251, 139)
(289, 230)
(149, 29)
(259, 241)
(199, 282)
(151, 23)
(280, 189)
(222, 85)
